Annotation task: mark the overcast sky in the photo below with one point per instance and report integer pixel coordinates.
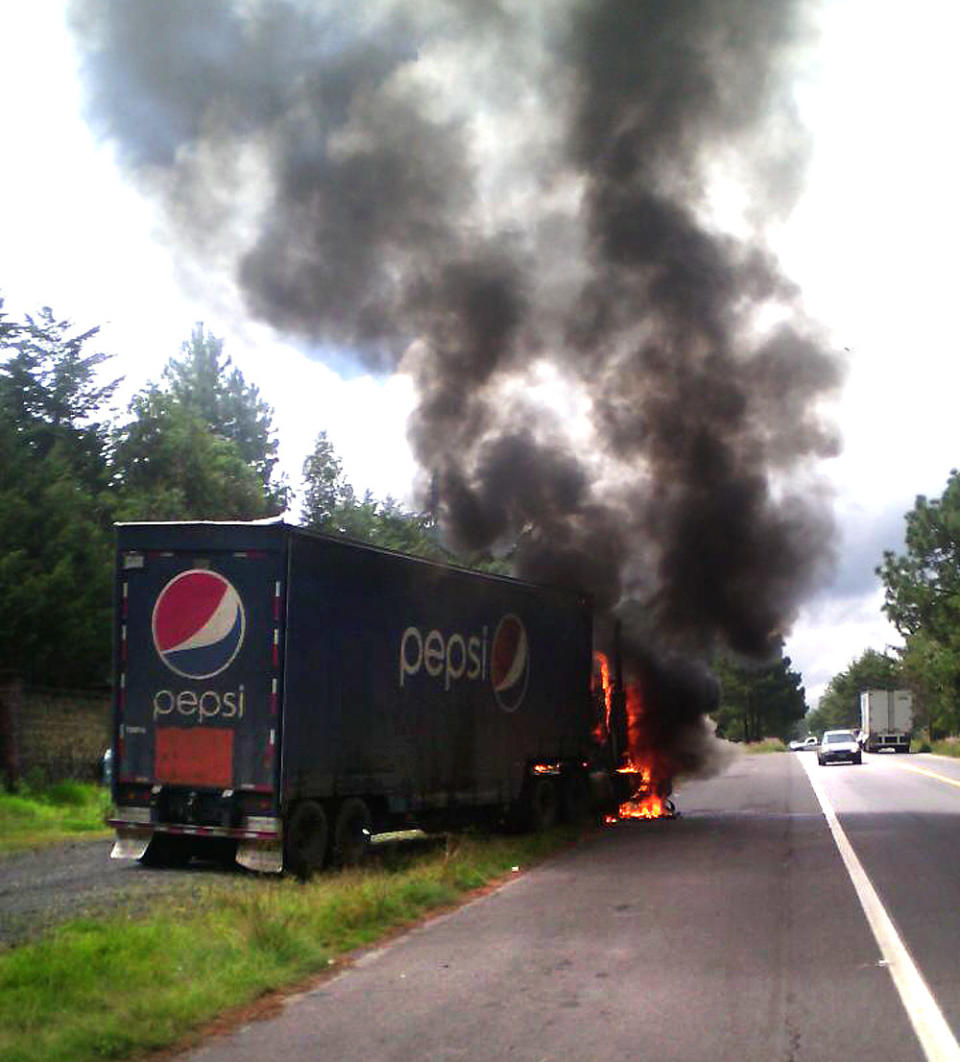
(871, 243)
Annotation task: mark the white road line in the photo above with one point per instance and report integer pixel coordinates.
(933, 1032)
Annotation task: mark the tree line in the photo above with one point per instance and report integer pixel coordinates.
(199, 443)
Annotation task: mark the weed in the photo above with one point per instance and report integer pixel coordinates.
(766, 745)
(36, 817)
(70, 794)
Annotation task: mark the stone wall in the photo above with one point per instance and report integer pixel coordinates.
(57, 734)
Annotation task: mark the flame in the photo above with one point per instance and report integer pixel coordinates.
(645, 802)
(651, 783)
(650, 779)
(601, 687)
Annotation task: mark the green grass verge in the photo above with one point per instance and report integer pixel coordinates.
(944, 747)
(112, 988)
(36, 817)
(767, 745)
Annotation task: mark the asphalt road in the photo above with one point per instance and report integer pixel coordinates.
(733, 932)
(902, 817)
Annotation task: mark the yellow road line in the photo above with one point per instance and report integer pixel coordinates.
(932, 774)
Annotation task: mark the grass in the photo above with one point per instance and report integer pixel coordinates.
(39, 816)
(766, 745)
(943, 747)
(119, 986)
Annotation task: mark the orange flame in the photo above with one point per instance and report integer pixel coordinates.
(650, 784)
(601, 685)
(645, 802)
(651, 781)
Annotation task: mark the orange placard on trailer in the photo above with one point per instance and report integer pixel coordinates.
(194, 756)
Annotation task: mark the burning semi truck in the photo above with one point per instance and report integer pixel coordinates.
(282, 695)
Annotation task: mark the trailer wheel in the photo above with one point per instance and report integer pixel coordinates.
(167, 850)
(541, 804)
(351, 835)
(575, 797)
(306, 839)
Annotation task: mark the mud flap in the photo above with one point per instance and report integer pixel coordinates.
(130, 844)
(263, 857)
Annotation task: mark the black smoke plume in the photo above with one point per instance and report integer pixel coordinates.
(516, 203)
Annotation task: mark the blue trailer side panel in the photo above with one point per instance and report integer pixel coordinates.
(423, 683)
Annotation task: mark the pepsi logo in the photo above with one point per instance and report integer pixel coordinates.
(198, 624)
(454, 656)
(510, 663)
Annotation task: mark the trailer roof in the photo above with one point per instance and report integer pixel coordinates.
(280, 526)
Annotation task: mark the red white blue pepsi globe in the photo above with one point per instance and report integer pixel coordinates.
(198, 624)
(510, 663)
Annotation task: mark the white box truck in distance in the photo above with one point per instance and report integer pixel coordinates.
(886, 718)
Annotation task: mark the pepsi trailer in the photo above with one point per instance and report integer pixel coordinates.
(281, 695)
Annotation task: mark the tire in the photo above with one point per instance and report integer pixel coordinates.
(351, 835)
(167, 850)
(541, 804)
(224, 852)
(575, 797)
(306, 839)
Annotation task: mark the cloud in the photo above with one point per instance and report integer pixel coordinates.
(865, 532)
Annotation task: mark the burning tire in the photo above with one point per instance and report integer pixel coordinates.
(352, 833)
(306, 839)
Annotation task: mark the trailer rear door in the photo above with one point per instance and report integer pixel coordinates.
(198, 667)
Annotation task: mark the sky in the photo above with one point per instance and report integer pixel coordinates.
(870, 243)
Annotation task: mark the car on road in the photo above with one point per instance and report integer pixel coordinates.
(839, 746)
(807, 743)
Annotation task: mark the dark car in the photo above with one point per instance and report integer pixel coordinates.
(839, 746)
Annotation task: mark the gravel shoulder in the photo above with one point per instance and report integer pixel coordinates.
(40, 889)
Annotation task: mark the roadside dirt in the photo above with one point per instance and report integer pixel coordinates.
(43, 888)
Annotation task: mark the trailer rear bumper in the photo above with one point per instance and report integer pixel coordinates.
(879, 742)
(150, 828)
(260, 850)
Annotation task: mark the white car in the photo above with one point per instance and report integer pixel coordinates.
(807, 743)
(837, 746)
